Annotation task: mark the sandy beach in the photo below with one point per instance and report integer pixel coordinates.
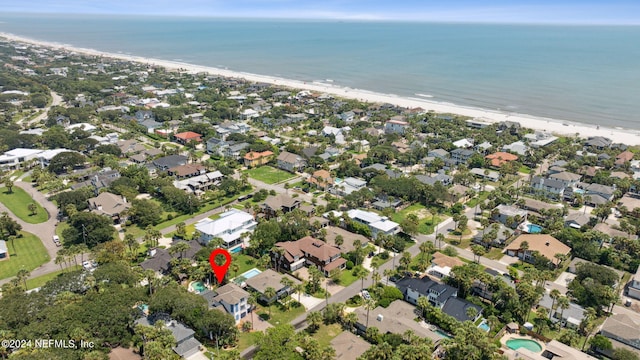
(555, 126)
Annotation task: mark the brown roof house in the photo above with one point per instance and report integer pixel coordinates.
(271, 279)
(109, 204)
(280, 202)
(348, 346)
(442, 264)
(310, 251)
(321, 179)
(545, 245)
(187, 170)
(290, 162)
(188, 136)
(253, 158)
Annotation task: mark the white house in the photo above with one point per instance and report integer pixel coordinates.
(634, 286)
(395, 127)
(15, 157)
(378, 224)
(234, 300)
(229, 227)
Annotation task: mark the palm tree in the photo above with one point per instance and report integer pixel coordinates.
(33, 208)
(471, 313)
(270, 293)
(440, 239)
(22, 275)
(59, 260)
(314, 319)
(350, 320)
(360, 273)
(369, 305)
(563, 303)
(299, 288)
(554, 295)
(252, 301)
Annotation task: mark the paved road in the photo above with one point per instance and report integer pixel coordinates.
(56, 101)
(44, 231)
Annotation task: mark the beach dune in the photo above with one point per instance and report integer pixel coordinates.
(555, 126)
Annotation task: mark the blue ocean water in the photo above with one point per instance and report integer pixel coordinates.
(588, 74)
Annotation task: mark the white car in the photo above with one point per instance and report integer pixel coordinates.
(56, 240)
(366, 295)
(86, 265)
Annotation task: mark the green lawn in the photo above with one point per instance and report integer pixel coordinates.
(41, 280)
(18, 202)
(494, 254)
(244, 262)
(326, 333)
(347, 278)
(247, 339)
(427, 221)
(29, 253)
(280, 315)
(482, 196)
(269, 175)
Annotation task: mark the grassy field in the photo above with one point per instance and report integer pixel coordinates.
(280, 315)
(18, 203)
(29, 253)
(269, 175)
(347, 278)
(427, 221)
(244, 262)
(41, 280)
(326, 333)
(247, 339)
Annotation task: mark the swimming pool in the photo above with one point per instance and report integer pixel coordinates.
(442, 334)
(236, 250)
(484, 326)
(532, 345)
(198, 286)
(250, 273)
(144, 308)
(534, 229)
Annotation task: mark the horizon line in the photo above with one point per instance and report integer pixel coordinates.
(337, 19)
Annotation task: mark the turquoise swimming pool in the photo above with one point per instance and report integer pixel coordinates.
(198, 286)
(532, 345)
(250, 273)
(443, 334)
(534, 229)
(484, 326)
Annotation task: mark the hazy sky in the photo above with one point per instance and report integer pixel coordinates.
(518, 11)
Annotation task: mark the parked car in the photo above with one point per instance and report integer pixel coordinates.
(56, 240)
(395, 278)
(366, 295)
(86, 265)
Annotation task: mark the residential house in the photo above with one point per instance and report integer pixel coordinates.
(200, 183)
(440, 177)
(13, 158)
(576, 220)
(500, 158)
(606, 229)
(348, 238)
(598, 194)
(502, 213)
(463, 143)
(570, 317)
(568, 179)
(598, 142)
(623, 158)
(128, 147)
(290, 162)
(545, 245)
(552, 350)
(167, 162)
(253, 158)
(109, 204)
(438, 153)
(377, 224)
(232, 298)
(386, 202)
(310, 251)
(228, 149)
(230, 227)
(502, 233)
(537, 207)
(4, 251)
(227, 128)
(321, 179)
(483, 148)
(459, 309)
(553, 189)
(271, 279)
(346, 186)
(186, 344)
(442, 264)
(634, 285)
(540, 139)
(187, 171)
(489, 175)
(104, 178)
(622, 330)
(187, 137)
(160, 259)
(396, 127)
(461, 156)
(281, 202)
(397, 318)
(437, 293)
(349, 346)
(517, 147)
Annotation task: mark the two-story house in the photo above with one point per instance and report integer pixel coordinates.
(229, 227)
(271, 279)
(281, 202)
(634, 285)
(396, 127)
(109, 204)
(253, 158)
(321, 179)
(551, 188)
(568, 179)
(186, 343)
(461, 156)
(437, 293)
(187, 137)
(502, 213)
(230, 297)
(346, 186)
(290, 162)
(378, 224)
(309, 251)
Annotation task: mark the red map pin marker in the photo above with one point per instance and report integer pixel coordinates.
(220, 270)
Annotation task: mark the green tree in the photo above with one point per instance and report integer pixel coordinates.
(145, 212)
(8, 183)
(314, 318)
(359, 272)
(410, 224)
(269, 294)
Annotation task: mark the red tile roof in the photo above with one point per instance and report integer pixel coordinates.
(188, 135)
(500, 158)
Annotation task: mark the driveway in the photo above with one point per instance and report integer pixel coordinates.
(44, 231)
(308, 301)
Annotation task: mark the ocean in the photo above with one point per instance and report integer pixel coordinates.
(587, 74)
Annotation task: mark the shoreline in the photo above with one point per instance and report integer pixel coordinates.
(554, 126)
